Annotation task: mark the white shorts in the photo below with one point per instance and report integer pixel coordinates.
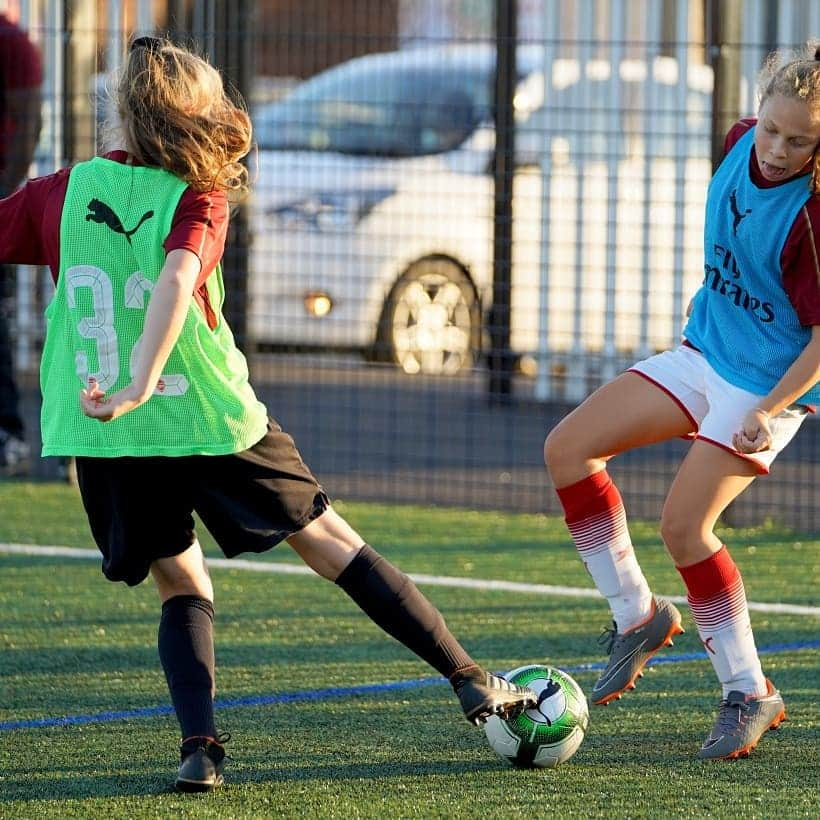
(715, 407)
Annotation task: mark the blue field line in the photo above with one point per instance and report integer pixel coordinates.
(341, 692)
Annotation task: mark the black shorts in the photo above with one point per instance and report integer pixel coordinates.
(141, 509)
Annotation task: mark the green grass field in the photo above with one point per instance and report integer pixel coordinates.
(74, 645)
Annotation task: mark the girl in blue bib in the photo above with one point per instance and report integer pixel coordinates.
(739, 385)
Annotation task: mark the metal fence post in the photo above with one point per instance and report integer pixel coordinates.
(500, 358)
(233, 39)
(724, 40)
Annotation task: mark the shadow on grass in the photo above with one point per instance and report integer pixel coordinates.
(75, 659)
(65, 784)
(347, 772)
(648, 756)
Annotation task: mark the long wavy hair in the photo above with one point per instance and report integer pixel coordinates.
(796, 75)
(175, 114)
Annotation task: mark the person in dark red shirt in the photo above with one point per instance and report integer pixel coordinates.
(20, 79)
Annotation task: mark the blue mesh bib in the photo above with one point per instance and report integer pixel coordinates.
(742, 319)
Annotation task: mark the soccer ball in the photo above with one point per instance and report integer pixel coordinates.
(551, 732)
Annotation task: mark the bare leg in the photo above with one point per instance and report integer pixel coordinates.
(327, 544)
(708, 480)
(626, 413)
(183, 574)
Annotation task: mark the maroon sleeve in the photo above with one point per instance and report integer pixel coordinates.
(800, 262)
(18, 240)
(30, 222)
(200, 225)
(737, 131)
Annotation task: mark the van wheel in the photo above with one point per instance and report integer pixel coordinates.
(431, 321)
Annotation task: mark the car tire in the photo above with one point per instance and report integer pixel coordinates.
(431, 320)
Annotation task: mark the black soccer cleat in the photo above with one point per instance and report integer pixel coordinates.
(483, 694)
(202, 759)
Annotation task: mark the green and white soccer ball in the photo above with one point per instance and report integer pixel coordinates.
(551, 732)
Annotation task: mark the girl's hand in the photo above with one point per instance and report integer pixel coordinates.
(96, 405)
(755, 435)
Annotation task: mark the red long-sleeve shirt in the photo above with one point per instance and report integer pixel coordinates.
(30, 227)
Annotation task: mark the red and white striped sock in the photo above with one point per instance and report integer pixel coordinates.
(717, 600)
(596, 519)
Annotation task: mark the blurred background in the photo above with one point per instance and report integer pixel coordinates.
(467, 214)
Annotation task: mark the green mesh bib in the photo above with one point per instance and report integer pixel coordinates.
(114, 221)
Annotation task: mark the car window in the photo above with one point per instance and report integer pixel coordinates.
(651, 119)
(378, 108)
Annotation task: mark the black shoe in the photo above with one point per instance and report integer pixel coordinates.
(201, 764)
(483, 694)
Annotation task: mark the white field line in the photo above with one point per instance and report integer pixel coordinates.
(432, 580)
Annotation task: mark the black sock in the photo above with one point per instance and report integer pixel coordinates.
(394, 602)
(186, 651)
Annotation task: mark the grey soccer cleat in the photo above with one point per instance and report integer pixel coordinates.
(741, 721)
(202, 759)
(483, 694)
(629, 651)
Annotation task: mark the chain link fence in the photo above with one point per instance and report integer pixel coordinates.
(467, 215)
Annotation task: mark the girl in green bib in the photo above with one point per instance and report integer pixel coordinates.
(143, 384)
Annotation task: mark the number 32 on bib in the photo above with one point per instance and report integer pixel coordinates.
(100, 329)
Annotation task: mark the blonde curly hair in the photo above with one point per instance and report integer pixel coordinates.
(175, 114)
(795, 75)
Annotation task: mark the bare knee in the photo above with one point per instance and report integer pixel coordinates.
(674, 530)
(327, 544)
(684, 536)
(183, 574)
(564, 456)
(556, 450)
